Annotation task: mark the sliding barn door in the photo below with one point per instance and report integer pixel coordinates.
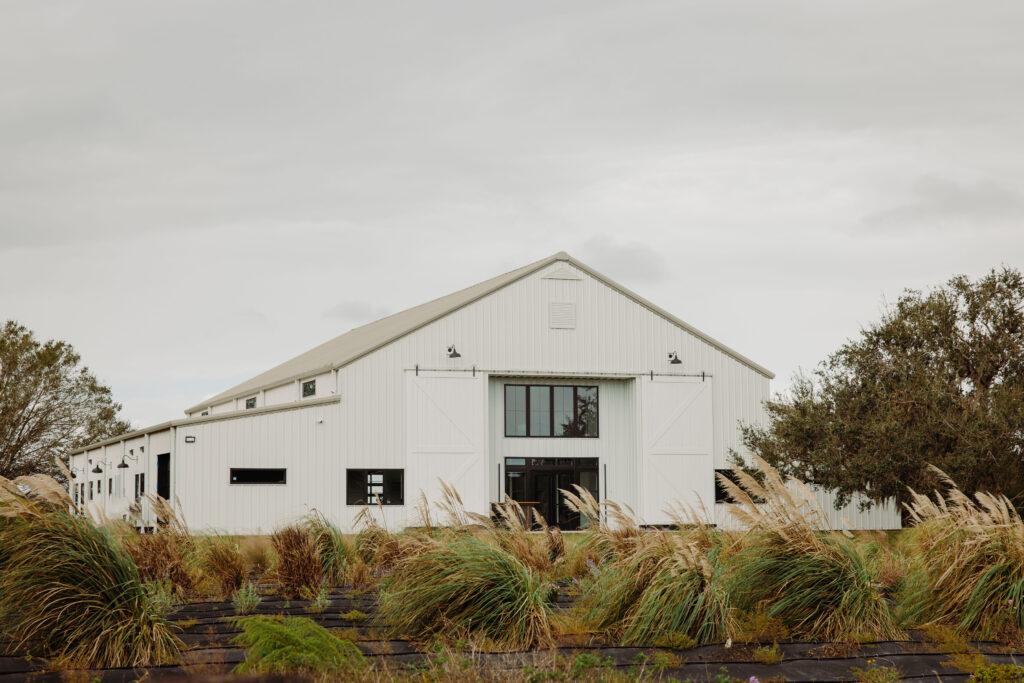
(677, 462)
(447, 417)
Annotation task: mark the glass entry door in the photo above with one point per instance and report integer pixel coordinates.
(536, 483)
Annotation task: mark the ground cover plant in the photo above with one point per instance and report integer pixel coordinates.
(295, 645)
(69, 589)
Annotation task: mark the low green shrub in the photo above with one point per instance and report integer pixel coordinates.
(294, 645)
(246, 599)
(318, 600)
(998, 673)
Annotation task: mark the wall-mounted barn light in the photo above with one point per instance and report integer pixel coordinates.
(96, 470)
(452, 353)
(673, 358)
(123, 465)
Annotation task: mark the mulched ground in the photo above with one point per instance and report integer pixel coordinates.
(210, 654)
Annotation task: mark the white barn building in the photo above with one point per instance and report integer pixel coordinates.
(543, 377)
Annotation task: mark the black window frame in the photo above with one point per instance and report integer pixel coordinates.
(308, 383)
(250, 403)
(90, 490)
(364, 474)
(282, 482)
(140, 485)
(551, 411)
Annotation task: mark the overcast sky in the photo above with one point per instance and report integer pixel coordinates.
(191, 193)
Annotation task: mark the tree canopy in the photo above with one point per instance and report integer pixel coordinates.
(50, 404)
(939, 380)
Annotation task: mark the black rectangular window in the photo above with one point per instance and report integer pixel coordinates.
(375, 487)
(309, 388)
(140, 485)
(546, 410)
(250, 403)
(90, 489)
(721, 493)
(259, 475)
(110, 487)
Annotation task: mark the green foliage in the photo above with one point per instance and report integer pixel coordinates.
(318, 600)
(876, 674)
(670, 586)
(294, 645)
(161, 595)
(767, 655)
(49, 404)
(468, 584)
(330, 545)
(823, 591)
(998, 673)
(353, 615)
(71, 591)
(585, 661)
(939, 380)
(970, 554)
(246, 599)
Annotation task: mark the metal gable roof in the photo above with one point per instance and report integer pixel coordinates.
(361, 341)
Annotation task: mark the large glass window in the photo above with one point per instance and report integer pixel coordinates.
(515, 410)
(551, 410)
(375, 487)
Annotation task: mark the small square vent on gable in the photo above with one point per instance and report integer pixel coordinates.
(561, 273)
(562, 315)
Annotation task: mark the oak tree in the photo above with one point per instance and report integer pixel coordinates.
(939, 380)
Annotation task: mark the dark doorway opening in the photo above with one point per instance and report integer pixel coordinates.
(163, 476)
(535, 483)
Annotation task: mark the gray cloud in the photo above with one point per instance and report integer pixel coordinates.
(942, 204)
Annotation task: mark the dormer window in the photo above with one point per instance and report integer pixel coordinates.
(309, 388)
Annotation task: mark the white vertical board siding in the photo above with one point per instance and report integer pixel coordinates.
(303, 441)
(378, 425)
(677, 463)
(883, 516)
(446, 437)
(508, 333)
(615, 446)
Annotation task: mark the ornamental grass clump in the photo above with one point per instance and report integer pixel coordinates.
(295, 645)
(298, 562)
(330, 546)
(792, 567)
(653, 587)
(170, 554)
(971, 554)
(67, 587)
(225, 566)
(473, 585)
